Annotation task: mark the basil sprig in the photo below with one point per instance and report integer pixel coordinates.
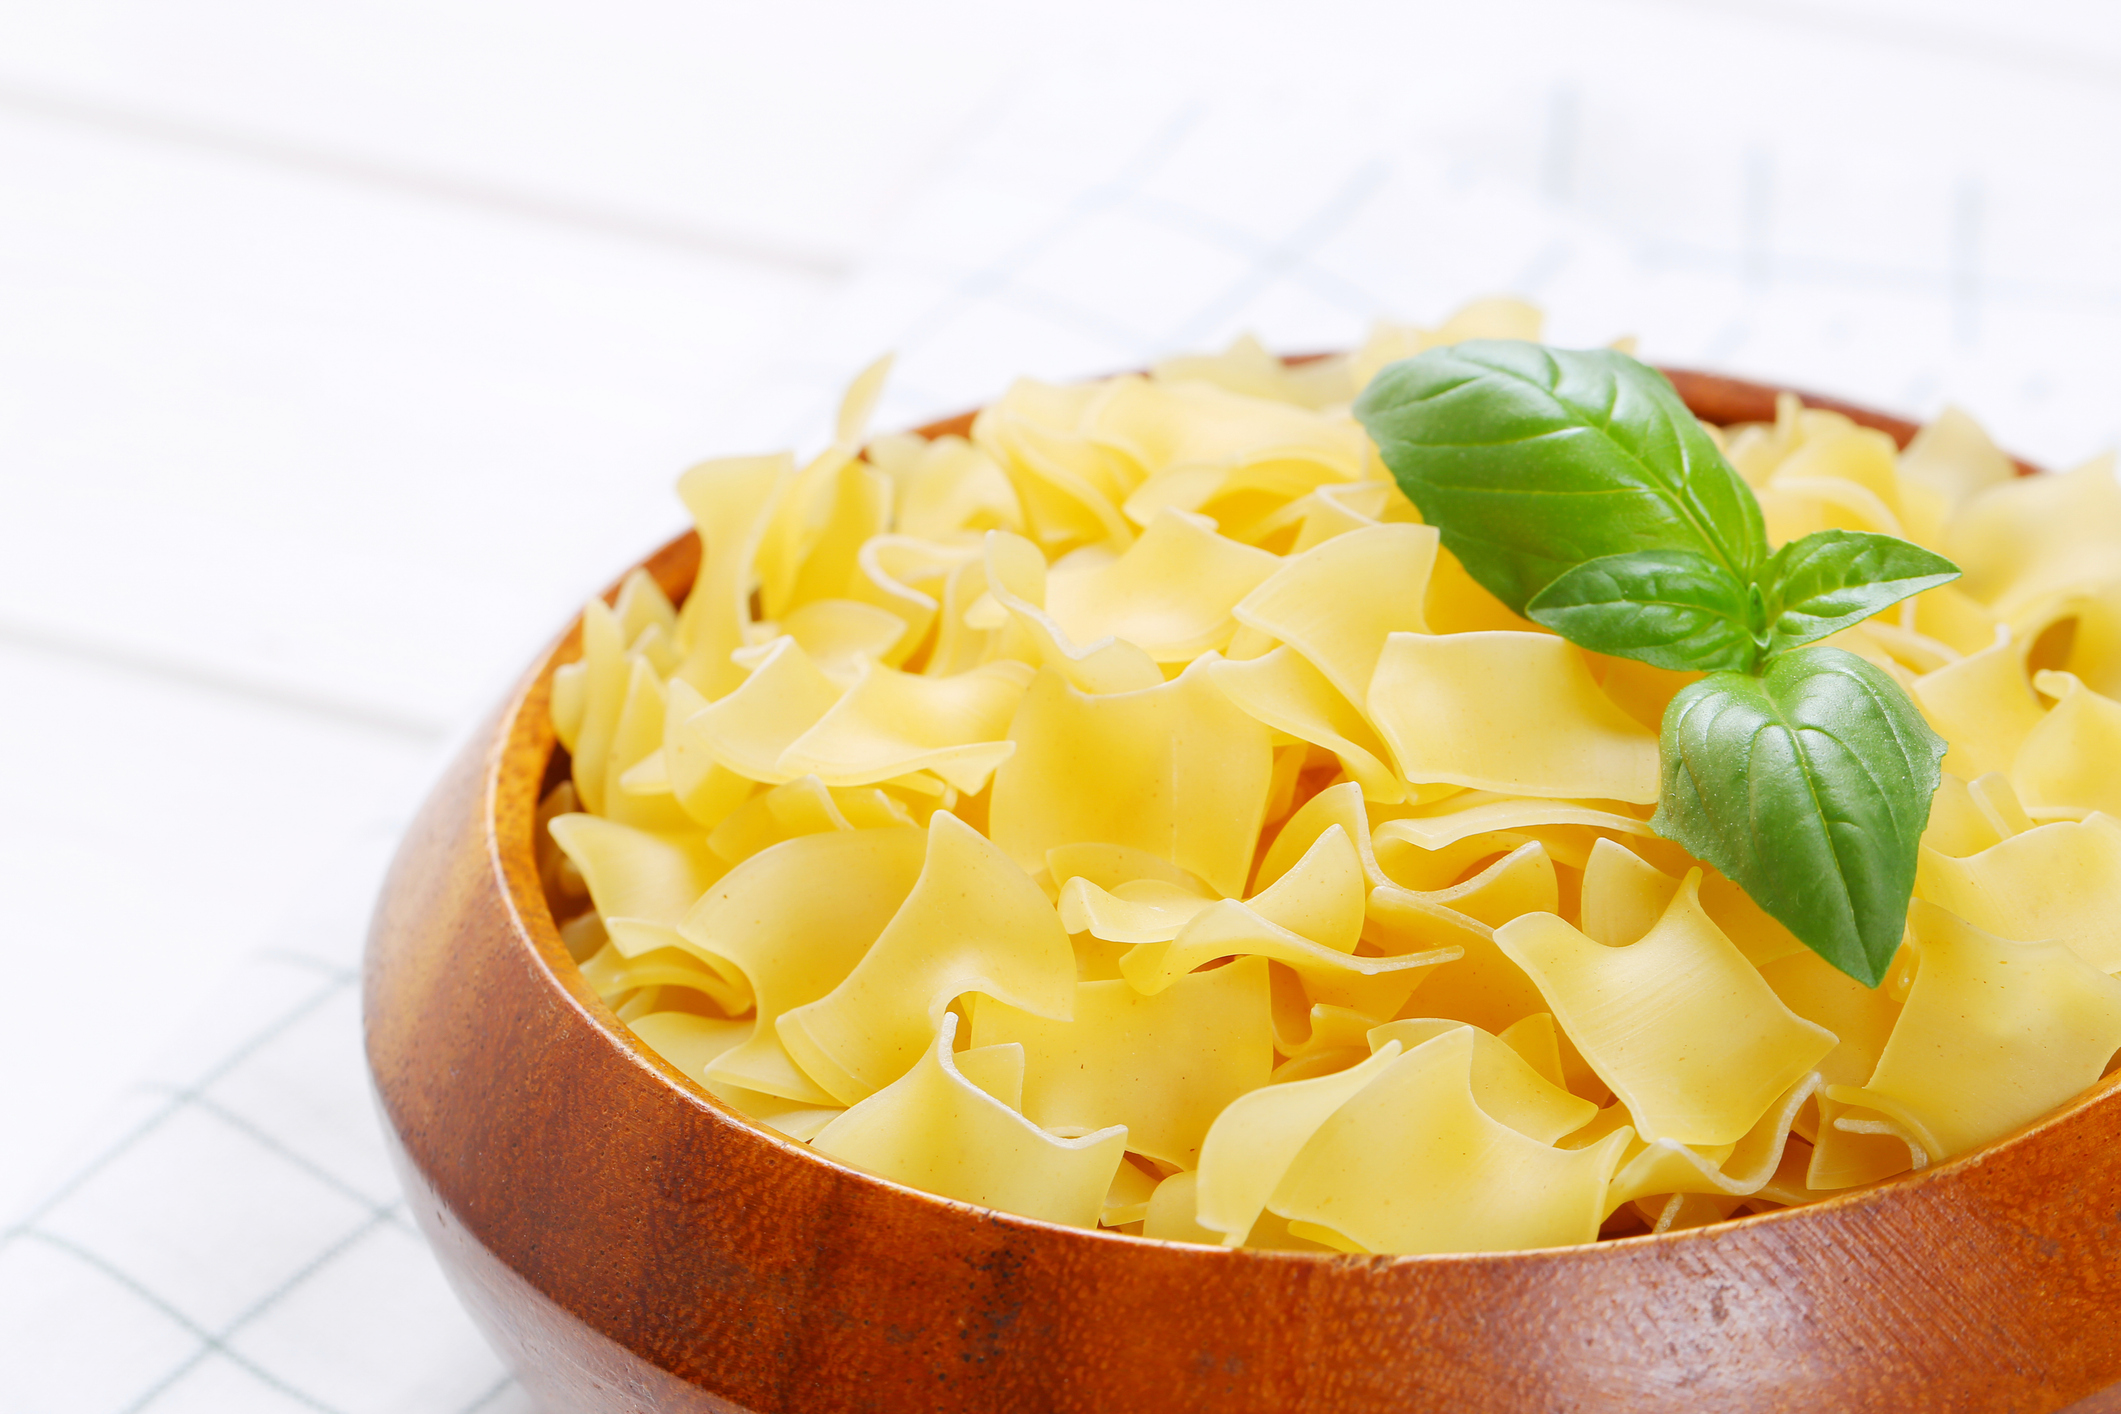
(1579, 490)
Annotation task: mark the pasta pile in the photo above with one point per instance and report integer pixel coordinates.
(1128, 816)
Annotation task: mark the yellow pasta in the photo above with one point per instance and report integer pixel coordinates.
(1993, 1034)
(1138, 911)
(1172, 1211)
(1982, 705)
(732, 502)
(1017, 583)
(1259, 1134)
(1510, 712)
(1417, 1130)
(888, 724)
(1375, 986)
(1685, 1030)
(1170, 593)
(1163, 1065)
(690, 1042)
(1504, 1083)
(2070, 764)
(1338, 603)
(2057, 882)
(973, 923)
(1127, 1200)
(935, 1129)
(1738, 1169)
(1623, 895)
(795, 943)
(1183, 776)
(2024, 538)
(1285, 692)
(637, 873)
(1130, 815)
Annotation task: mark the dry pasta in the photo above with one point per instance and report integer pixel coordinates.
(1129, 816)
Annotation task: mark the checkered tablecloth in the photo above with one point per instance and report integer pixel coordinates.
(229, 1236)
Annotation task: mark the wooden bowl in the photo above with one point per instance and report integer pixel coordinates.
(628, 1243)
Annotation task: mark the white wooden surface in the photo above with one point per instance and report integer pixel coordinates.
(343, 348)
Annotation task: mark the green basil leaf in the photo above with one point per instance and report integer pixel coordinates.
(1530, 460)
(1809, 787)
(1668, 608)
(1831, 580)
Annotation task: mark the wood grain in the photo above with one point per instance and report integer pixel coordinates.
(629, 1244)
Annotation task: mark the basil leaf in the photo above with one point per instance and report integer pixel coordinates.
(1809, 787)
(1668, 608)
(1830, 580)
(1530, 460)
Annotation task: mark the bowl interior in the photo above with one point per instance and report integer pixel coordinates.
(537, 762)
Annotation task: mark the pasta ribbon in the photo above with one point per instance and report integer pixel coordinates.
(1138, 911)
(1665, 1166)
(1338, 603)
(1861, 1018)
(1522, 881)
(1016, 578)
(1215, 444)
(2022, 539)
(731, 501)
(935, 1129)
(1247, 367)
(613, 971)
(1069, 487)
(1982, 706)
(635, 939)
(1285, 692)
(890, 724)
(2055, 882)
(1504, 1083)
(1310, 520)
(1163, 1066)
(635, 793)
(687, 1041)
(1257, 1137)
(749, 730)
(637, 873)
(1375, 986)
(1510, 712)
(2070, 764)
(1340, 805)
(1994, 1034)
(2076, 630)
(1181, 773)
(1688, 1034)
(974, 922)
(1171, 1215)
(1482, 986)
(795, 942)
(946, 490)
(839, 635)
(1412, 1163)
(1623, 895)
(1858, 1146)
(1438, 826)
(1322, 896)
(1170, 593)
(702, 787)
(1954, 457)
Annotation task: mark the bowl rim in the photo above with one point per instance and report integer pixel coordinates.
(523, 764)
